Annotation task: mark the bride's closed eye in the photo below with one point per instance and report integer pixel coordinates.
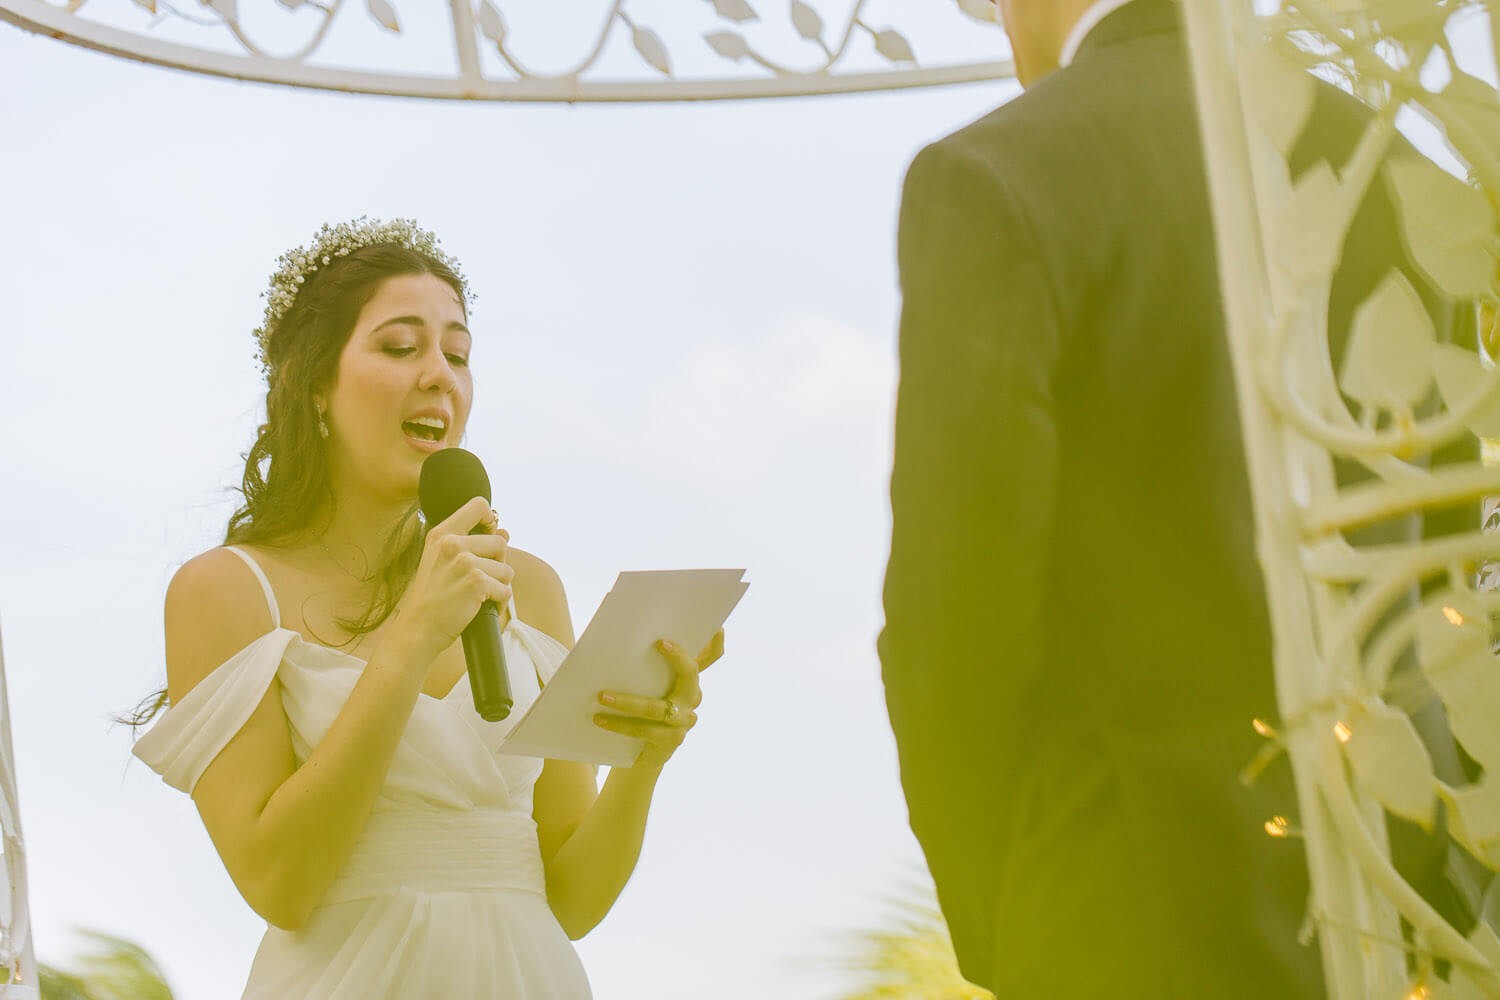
(400, 352)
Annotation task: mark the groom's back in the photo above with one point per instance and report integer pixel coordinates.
(1158, 620)
(1155, 607)
(1129, 654)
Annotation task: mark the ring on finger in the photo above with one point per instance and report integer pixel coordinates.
(672, 710)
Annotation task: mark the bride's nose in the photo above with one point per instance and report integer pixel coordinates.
(438, 373)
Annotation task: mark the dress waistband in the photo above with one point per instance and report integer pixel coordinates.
(441, 852)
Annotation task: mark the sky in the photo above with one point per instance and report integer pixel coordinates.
(684, 356)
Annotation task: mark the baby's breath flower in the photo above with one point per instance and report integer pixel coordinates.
(294, 266)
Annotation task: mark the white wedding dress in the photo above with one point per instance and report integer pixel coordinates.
(443, 895)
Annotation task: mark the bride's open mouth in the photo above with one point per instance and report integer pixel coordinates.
(425, 433)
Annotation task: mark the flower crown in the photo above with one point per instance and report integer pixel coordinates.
(331, 242)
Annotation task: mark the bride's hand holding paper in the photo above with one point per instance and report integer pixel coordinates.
(662, 723)
(620, 654)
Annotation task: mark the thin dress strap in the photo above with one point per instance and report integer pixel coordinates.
(265, 584)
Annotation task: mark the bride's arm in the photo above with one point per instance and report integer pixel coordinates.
(283, 831)
(587, 872)
(590, 838)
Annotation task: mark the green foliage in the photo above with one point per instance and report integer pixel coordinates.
(58, 985)
(906, 956)
(114, 969)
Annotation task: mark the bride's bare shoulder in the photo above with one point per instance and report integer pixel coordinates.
(214, 571)
(540, 599)
(533, 568)
(214, 608)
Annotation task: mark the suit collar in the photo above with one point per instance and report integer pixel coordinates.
(1137, 19)
(1097, 12)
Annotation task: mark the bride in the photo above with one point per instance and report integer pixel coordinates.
(319, 714)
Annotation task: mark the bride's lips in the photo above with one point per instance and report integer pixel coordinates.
(423, 445)
(418, 427)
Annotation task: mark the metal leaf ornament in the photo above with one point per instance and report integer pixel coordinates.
(1408, 20)
(1474, 819)
(893, 45)
(980, 10)
(1390, 761)
(1388, 360)
(1474, 104)
(1449, 227)
(1453, 647)
(313, 44)
(1460, 985)
(383, 12)
(649, 45)
(492, 23)
(736, 10)
(1461, 379)
(1281, 94)
(808, 22)
(729, 44)
(1342, 593)
(1308, 229)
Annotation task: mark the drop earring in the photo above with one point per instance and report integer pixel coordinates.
(322, 426)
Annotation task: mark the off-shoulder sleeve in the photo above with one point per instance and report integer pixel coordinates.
(546, 652)
(190, 735)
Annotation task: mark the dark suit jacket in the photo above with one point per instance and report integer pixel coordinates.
(1076, 634)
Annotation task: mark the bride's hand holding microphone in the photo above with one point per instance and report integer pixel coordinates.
(457, 573)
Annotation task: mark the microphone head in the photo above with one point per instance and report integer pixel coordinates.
(450, 478)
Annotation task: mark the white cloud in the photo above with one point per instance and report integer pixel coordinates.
(812, 395)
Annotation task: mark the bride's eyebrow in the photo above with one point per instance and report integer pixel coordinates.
(417, 321)
(400, 321)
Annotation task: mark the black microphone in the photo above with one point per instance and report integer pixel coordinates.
(451, 478)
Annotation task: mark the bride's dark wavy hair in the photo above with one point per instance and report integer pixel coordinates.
(285, 485)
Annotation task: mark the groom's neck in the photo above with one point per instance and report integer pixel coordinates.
(1038, 31)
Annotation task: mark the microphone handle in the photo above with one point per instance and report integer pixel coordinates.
(485, 659)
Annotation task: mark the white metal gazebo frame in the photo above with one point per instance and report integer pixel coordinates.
(1353, 751)
(21, 978)
(1343, 611)
(484, 27)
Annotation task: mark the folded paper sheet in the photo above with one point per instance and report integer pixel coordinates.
(617, 653)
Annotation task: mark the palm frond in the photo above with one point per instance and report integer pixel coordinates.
(905, 954)
(113, 969)
(59, 985)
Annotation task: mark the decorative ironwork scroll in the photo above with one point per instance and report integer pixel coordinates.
(605, 50)
(1368, 633)
(19, 977)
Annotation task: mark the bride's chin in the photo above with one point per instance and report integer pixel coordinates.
(400, 482)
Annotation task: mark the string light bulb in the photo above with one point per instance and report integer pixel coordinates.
(1454, 618)
(1343, 732)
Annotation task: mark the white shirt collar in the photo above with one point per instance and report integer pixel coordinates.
(1087, 23)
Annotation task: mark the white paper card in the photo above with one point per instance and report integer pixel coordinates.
(617, 653)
